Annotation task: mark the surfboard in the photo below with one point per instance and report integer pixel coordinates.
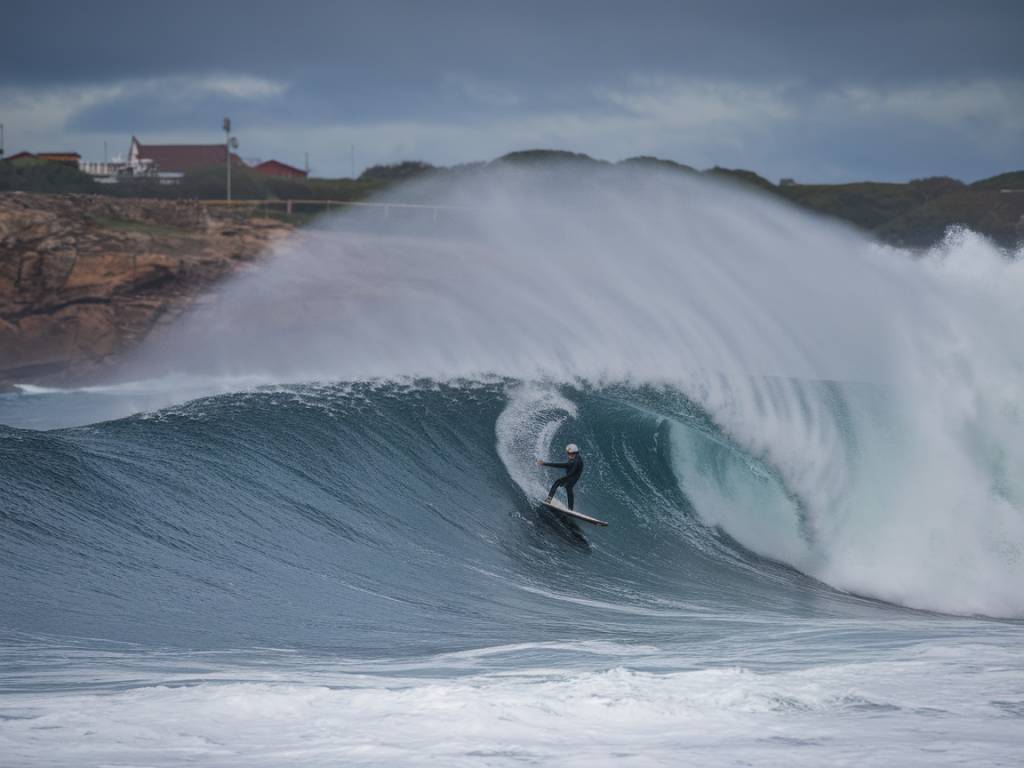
(566, 511)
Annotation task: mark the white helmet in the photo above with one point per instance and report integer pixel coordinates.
(572, 448)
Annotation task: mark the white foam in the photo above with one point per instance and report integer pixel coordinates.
(525, 431)
(931, 705)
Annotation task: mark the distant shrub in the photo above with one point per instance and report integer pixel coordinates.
(33, 175)
(739, 174)
(539, 156)
(940, 184)
(656, 162)
(396, 172)
(211, 184)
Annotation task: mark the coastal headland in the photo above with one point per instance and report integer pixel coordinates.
(83, 278)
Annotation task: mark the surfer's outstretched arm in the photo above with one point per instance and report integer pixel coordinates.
(555, 464)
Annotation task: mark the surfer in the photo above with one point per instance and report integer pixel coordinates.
(573, 469)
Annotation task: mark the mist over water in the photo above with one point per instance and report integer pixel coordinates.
(876, 391)
(631, 274)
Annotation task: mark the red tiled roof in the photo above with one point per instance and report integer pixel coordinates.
(277, 168)
(19, 156)
(179, 158)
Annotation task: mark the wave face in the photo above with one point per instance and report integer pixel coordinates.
(375, 517)
(367, 517)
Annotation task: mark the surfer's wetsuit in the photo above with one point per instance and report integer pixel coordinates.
(573, 469)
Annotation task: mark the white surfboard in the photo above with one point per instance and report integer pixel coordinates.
(566, 511)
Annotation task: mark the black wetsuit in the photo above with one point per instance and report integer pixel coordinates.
(573, 469)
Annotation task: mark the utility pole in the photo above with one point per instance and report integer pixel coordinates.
(230, 142)
(1, 141)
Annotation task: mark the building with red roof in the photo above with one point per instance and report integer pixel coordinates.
(20, 156)
(277, 168)
(169, 162)
(71, 159)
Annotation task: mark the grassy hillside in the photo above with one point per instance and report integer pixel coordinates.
(914, 214)
(1012, 180)
(918, 213)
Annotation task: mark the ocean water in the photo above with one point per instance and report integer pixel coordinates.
(309, 533)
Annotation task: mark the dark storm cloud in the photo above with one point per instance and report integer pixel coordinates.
(815, 89)
(389, 41)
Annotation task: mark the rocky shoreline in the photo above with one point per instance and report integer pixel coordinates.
(85, 278)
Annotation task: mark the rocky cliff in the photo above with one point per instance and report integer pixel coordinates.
(84, 278)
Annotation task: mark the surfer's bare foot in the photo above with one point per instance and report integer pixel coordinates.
(547, 500)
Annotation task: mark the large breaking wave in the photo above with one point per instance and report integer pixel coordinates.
(762, 397)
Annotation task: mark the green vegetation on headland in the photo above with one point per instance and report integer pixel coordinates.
(32, 175)
(120, 224)
(914, 214)
(918, 213)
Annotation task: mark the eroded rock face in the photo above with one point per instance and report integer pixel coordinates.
(85, 278)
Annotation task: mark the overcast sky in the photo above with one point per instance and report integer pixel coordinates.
(820, 91)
